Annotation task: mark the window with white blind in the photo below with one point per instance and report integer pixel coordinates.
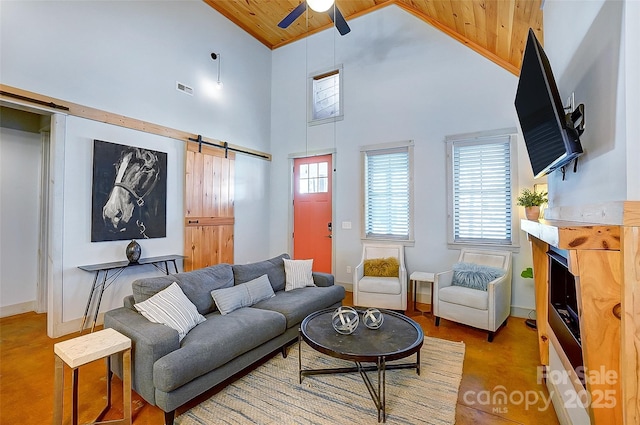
(388, 192)
(480, 171)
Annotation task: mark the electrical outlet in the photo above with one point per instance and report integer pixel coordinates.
(348, 269)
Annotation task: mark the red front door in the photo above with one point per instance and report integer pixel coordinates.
(312, 211)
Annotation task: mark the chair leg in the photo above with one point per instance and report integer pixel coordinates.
(490, 337)
(169, 417)
(437, 321)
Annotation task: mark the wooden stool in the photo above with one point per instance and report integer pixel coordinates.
(85, 349)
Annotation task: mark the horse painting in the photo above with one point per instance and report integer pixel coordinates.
(129, 193)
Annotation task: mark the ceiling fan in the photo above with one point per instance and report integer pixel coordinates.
(318, 6)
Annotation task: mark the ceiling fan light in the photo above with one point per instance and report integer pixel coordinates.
(320, 5)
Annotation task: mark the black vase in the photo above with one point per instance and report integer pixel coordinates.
(133, 251)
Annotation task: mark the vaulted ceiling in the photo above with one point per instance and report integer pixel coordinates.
(497, 29)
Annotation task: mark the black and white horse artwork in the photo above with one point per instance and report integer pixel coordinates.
(129, 192)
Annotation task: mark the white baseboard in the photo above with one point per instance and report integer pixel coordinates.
(347, 286)
(523, 312)
(12, 310)
(73, 326)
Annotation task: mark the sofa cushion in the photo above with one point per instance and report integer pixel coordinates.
(380, 285)
(298, 274)
(215, 342)
(243, 295)
(298, 304)
(196, 285)
(465, 296)
(171, 308)
(274, 268)
(474, 276)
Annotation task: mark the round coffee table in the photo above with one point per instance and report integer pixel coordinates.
(397, 338)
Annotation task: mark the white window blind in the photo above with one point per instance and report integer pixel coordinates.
(482, 191)
(325, 96)
(387, 193)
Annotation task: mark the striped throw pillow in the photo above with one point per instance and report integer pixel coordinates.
(242, 295)
(172, 308)
(298, 274)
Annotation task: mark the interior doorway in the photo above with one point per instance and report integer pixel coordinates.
(313, 210)
(25, 153)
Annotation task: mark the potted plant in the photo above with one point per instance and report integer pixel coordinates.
(531, 202)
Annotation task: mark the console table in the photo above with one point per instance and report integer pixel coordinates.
(117, 267)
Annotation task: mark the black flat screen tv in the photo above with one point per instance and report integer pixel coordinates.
(549, 134)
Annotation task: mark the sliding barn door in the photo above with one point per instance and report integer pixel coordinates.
(209, 219)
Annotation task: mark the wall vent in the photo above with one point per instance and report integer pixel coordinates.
(184, 88)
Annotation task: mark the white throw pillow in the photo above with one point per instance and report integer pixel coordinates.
(242, 295)
(171, 307)
(298, 274)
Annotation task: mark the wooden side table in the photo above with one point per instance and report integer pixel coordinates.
(413, 283)
(85, 349)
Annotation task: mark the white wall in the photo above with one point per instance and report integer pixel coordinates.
(125, 58)
(20, 165)
(585, 43)
(403, 79)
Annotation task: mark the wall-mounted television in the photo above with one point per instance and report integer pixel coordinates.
(550, 135)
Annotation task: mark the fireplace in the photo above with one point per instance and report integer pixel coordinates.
(564, 317)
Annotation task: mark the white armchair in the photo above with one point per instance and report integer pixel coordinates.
(486, 310)
(381, 292)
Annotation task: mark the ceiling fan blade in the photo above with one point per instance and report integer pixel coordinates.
(295, 14)
(341, 23)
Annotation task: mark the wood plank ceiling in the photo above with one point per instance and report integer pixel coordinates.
(497, 29)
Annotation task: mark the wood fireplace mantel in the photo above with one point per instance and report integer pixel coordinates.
(605, 260)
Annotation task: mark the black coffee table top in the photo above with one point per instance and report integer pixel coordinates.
(397, 338)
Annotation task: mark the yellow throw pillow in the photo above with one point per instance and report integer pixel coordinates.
(382, 267)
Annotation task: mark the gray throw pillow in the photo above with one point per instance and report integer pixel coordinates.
(196, 285)
(243, 295)
(474, 276)
(274, 268)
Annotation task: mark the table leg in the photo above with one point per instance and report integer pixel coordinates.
(175, 266)
(411, 302)
(86, 310)
(58, 396)
(74, 392)
(431, 306)
(104, 283)
(299, 358)
(126, 385)
(379, 403)
(384, 390)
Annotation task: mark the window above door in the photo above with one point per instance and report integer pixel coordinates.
(325, 96)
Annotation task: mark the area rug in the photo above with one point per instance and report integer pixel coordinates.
(271, 394)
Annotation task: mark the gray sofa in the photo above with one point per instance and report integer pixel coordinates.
(168, 373)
